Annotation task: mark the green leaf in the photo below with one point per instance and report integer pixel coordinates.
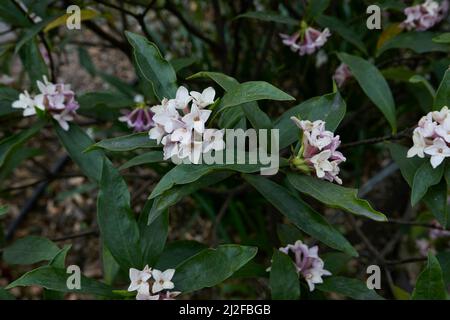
(425, 178)
(444, 261)
(288, 234)
(33, 62)
(317, 7)
(430, 283)
(145, 158)
(110, 266)
(124, 143)
(30, 250)
(211, 267)
(31, 32)
(443, 93)
(442, 38)
(337, 26)
(118, 227)
(15, 141)
(269, 16)
(329, 108)
(75, 141)
(373, 84)
(56, 279)
(436, 201)
(418, 79)
(419, 42)
(300, 214)
(252, 91)
(336, 262)
(153, 66)
(152, 237)
(5, 295)
(284, 284)
(181, 63)
(7, 97)
(3, 210)
(187, 173)
(348, 287)
(13, 15)
(408, 166)
(334, 196)
(258, 118)
(177, 252)
(175, 194)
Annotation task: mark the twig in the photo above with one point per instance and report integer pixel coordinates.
(405, 261)
(93, 232)
(416, 224)
(43, 40)
(404, 134)
(40, 189)
(220, 215)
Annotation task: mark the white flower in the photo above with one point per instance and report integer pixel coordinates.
(162, 280)
(139, 280)
(196, 119)
(181, 135)
(168, 118)
(438, 152)
(308, 262)
(146, 296)
(321, 163)
(441, 115)
(26, 103)
(443, 130)
(157, 133)
(205, 98)
(213, 140)
(182, 98)
(171, 149)
(419, 145)
(192, 151)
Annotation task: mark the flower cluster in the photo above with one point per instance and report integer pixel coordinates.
(55, 99)
(160, 284)
(139, 119)
(307, 262)
(424, 16)
(432, 137)
(318, 151)
(180, 125)
(307, 41)
(342, 74)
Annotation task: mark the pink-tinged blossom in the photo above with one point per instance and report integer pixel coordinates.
(152, 284)
(438, 232)
(306, 42)
(180, 126)
(319, 150)
(139, 119)
(58, 100)
(424, 16)
(342, 75)
(307, 262)
(432, 137)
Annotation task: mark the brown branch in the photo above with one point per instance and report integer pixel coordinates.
(93, 232)
(404, 134)
(416, 224)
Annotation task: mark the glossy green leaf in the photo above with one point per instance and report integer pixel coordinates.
(7, 97)
(442, 38)
(300, 214)
(252, 91)
(430, 283)
(56, 279)
(334, 196)
(75, 141)
(336, 262)
(348, 287)
(175, 194)
(31, 32)
(187, 173)
(15, 141)
(6, 295)
(33, 62)
(269, 16)
(182, 63)
(444, 261)
(211, 267)
(337, 26)
(330, 108)
(443, 93)
(124, 143)
(426, 176)
(152, 236)
(30, 250)
(419, 42)
(373, 84)
(145, 158)
(118, 227)
(177, 252)
(153, 66)
(436, 201)
(284, 283)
